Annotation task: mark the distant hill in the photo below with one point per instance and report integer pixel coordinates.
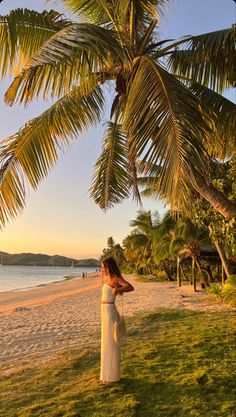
(38, 259)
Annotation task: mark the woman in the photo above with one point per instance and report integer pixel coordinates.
(112, 284)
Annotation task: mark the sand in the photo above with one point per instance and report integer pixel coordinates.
(37, 323)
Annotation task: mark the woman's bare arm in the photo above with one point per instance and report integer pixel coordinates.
(124, 286)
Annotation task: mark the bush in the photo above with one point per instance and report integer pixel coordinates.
(229, 290)
(215, 290)
(128, 270)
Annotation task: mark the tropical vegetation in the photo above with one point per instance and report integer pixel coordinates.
(178, 124)
(138, 244)
(113, 250)
(175, 248)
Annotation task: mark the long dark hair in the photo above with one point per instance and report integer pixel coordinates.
(112, 266)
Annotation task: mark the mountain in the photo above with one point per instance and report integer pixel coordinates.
(38, 259)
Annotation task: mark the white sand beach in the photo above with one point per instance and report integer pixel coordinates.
(36, 323)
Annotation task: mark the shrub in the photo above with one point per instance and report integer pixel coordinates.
(215, 290)
(229, 290)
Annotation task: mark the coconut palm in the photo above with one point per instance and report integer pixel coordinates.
(136, 254)
(115, 250)
(166, 105)
(138, 244)
(178, 236)
(199, 211)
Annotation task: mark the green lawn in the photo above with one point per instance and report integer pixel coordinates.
(174, 363)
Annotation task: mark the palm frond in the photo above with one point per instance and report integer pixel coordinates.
(166, 122)
(166, 228)
(147, 37)
(29, 155)
(148, 184)
(22, 32)
(162, 250)
(226, 119)
(190, 233)
(208, 59)
(78, 53)
(176, 244)
(143, 222)
(148, 187)
(104, 11)
(111, 178)
(142, 12)
(96, 11)
(139, 240)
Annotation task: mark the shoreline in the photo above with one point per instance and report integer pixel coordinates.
(45, 293)
(63, 279)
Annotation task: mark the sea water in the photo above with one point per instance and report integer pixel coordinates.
(21, 277)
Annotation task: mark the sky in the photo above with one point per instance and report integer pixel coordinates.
(60, 218)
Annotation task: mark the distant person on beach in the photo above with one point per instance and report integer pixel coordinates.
(112, 285)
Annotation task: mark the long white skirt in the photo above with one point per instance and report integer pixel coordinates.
(110, 350)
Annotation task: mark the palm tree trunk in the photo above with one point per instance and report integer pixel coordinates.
(183, 274)
(194, 275)
(178, 272)
(223, 276)
(221, 252)
(204, 282)
(209, 273)
(215, 197)
(222, 256)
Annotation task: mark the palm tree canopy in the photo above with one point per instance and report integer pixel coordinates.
(139, 243)
(172, 123)
(178, 235)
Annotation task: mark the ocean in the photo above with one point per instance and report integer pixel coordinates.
(21, 277)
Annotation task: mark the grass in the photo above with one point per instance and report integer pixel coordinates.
(174, 364)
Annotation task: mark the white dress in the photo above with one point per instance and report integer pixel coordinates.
(110, 350)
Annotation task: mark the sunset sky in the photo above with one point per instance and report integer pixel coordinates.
(60, 218)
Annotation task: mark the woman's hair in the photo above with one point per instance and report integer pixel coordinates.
(112, 266)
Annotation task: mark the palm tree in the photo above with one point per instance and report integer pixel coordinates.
(138, 244)
(176, 237)
(177, 122)
(194, 211)
(110, 243)
(135, 252)
(115, 250)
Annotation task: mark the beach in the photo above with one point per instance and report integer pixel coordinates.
(39, 322)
